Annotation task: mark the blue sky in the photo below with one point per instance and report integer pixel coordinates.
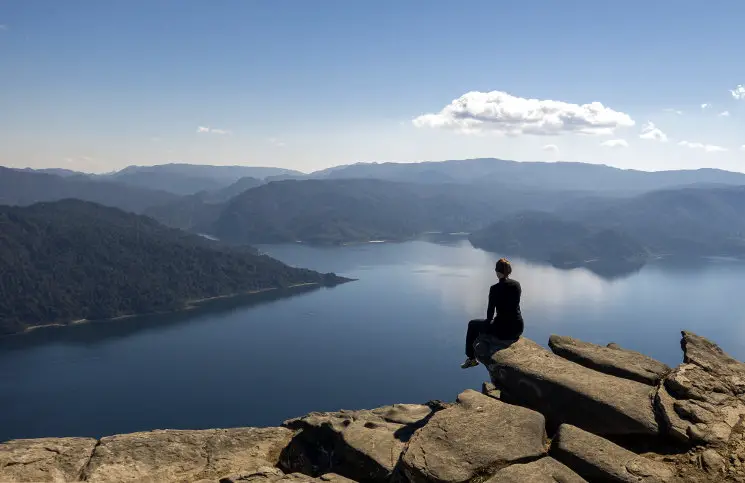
(97, 85)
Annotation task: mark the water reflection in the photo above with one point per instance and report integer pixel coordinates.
(606, 269)
(96, 332)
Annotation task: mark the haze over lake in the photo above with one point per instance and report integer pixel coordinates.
(394, 335)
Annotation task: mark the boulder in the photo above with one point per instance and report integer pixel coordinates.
(45, 459)
(597, 459)
(567, 392)
(702, 401)
(477, 436)
(610, 359)
(274, 475)
(544, 470)
(363, 445)
(181, 455)
(674, 425)
(489, 389)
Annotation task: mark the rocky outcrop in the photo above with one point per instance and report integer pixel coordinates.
(566, 392)
(598, 459)
(477, 436)
(545, 470)
(45, 459)
(602, 427)
(702, 403)
(274, 475)
(364, 444)
(185, 455)
(610, 359)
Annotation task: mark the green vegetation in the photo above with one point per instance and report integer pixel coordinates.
(70, 260)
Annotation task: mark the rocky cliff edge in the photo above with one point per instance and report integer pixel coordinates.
(577, 412)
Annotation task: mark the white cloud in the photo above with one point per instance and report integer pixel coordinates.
(738, 92)
(503, 113)
(650, 131)
(724, 114)
(674, 111)
(705, 105)
(615, 143)
(205, 129)
(742, 147)
(276, 142)
(3, 27)
(553, 148)
(709, 148)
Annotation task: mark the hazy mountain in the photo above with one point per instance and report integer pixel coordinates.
(685, 221)
(70, 260)
(344, 210)
(188, 179)
(680, 222)
(176, 183)
(24, 187)
(226, 174)
(224, 194)
(536, 175)
(58, 171)
(190, 213)
(547, 238)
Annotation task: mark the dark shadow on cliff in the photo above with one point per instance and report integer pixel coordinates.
(94, 332)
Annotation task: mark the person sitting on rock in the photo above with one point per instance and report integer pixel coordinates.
(504, 298)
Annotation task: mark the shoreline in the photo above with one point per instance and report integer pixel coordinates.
(187, 306)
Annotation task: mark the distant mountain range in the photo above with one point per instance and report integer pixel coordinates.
(672, 222)
(187, 179)
(69, 260)
(540, 175)
(590, 212)
(25, 187)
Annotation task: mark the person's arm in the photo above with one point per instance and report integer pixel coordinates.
(492, 305)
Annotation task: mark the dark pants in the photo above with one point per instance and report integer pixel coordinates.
(475, 328)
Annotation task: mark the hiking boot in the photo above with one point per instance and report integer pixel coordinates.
(469, 363)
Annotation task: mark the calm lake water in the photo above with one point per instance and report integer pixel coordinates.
(395, 335)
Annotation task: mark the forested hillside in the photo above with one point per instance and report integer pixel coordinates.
(70, 260)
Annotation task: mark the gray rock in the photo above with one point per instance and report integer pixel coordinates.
(706, 394)
(45, 459)
(597, 459)
(489, 389)
(545, 470)
(477, 436)
(674, 425)
(713, 462)
(610, 359)
(364, 445)
(274, 475)
(182, 455)
(567, 392)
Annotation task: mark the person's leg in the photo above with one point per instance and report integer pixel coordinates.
(475, 328)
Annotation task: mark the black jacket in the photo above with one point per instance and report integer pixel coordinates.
(504, 298)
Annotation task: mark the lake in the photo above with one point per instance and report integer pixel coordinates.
(394, 335)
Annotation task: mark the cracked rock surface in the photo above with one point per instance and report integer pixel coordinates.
(45, 459)
(477, 436)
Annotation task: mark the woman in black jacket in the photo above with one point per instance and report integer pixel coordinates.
(504, 299)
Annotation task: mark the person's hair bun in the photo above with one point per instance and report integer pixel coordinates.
(504, 266)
